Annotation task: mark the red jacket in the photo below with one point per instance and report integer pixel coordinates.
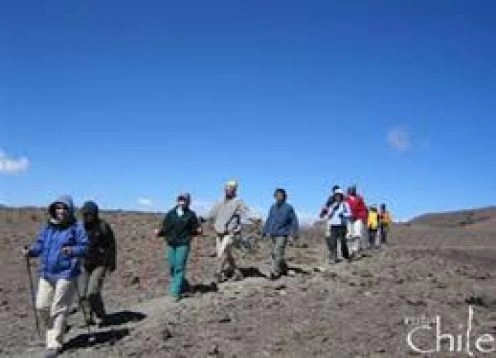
(358, 209)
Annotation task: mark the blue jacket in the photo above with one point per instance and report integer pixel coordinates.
(339, 214)
(282, 221)
(52, 238)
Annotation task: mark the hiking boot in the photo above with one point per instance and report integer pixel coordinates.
(238, 275)
(52, 353)
(220, 277)
(274, 276)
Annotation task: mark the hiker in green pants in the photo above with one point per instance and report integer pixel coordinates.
(179, 226)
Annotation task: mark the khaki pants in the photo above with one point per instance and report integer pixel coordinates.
(53, 301)
(90, 286)
(278, 248)
(224, 247)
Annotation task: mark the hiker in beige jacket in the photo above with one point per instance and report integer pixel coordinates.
(226, 216)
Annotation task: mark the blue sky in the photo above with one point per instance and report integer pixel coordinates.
(130, 102)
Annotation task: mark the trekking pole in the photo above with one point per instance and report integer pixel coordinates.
(83, 311)
(33, 300)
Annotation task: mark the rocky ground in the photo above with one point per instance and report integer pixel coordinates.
(360, 309)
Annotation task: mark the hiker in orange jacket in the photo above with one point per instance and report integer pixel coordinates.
(385, 221)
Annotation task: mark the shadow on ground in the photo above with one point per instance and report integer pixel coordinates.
(98, 338)
(123, 317)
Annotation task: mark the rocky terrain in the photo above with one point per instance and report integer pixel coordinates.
(437, 265)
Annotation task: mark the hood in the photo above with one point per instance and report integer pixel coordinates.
(67, 201)
(90, 207)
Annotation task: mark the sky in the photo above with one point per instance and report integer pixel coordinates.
(128, 103)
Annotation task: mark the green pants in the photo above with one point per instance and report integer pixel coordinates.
(178, 257)
(90, 284)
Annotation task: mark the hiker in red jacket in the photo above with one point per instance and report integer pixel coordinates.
(358, 220)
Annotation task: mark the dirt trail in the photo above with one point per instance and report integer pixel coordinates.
(353, 309)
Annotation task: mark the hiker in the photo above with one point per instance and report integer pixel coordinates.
(99, 261)
(226, 216)
(373, 225)
(385, 221)
(281, 224)
(324, 212)
(357, 222)
(60, 246)
(337, 218)
(180, 224)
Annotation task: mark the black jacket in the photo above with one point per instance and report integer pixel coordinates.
(102, 250)
(178, 230)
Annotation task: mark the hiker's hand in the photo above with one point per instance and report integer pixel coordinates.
(156, 232)
(25, 252)
(67, 250)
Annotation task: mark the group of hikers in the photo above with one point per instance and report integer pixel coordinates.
(76, 256)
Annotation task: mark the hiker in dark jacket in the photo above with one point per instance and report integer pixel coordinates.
(60, 246)
(99, 261)
(179, 226)
(281, 223)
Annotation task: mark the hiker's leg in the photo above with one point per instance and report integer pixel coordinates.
(44, 299)
(384, 235)
(339, 249)
(64, 293)
(342, 239)
(332, 244)
(272, 253)
(171, 257)
(95, 285)
(280, 247)
(181, 252)
(351, 238)
(82, 286)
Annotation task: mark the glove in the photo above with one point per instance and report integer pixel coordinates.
(341, 216)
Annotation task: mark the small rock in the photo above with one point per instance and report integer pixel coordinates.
(214, 350)
(224, 319)
(135, 280)
(280, 287)
(475, 300)
(166, 334)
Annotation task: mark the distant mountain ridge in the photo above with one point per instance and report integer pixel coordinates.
(481, 218)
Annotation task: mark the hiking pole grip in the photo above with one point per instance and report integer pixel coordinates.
(33, 299)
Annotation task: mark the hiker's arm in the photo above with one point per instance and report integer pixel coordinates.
(347, 210)
(81, 246)
(37, 247)
(212, 214)
(161, 232)
(196, 226)
(267, 223)
(295, 227)
(112, 259)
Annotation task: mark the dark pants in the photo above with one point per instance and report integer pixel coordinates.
(337, 233)
(372, 237)
(384, 232)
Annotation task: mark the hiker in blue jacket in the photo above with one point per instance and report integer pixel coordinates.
(60, 246)
(281, 223)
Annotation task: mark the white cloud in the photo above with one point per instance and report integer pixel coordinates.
(399, 139)
(145, 202)
(12, 165)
